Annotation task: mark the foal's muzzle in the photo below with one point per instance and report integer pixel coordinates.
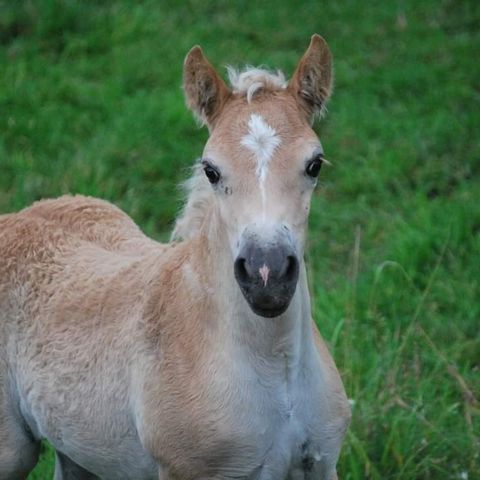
(267, 275)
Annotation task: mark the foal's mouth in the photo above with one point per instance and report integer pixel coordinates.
(267, 277)
(268, 307)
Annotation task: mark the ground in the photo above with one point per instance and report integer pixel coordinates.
(90, 102)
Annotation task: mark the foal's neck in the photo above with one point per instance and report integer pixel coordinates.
(285, 337)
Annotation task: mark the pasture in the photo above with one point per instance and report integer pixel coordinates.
(90, 103)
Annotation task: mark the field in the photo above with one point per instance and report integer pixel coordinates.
(91, 103)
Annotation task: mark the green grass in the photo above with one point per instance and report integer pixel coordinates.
(90, 102)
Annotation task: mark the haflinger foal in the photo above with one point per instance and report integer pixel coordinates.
(192, 360)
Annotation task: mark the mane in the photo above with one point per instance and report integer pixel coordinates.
(247, 82)
(199, 197)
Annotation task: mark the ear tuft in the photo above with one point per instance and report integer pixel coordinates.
(205, 91)
(312, 81)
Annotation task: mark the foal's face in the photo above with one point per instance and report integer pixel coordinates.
(263, 160)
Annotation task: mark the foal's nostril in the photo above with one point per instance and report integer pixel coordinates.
(241, 270)
(291, 268)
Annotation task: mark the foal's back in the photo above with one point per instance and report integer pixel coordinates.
(69, 219)
(72, 245)
(72, 249)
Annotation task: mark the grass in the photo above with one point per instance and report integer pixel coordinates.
(91, 103)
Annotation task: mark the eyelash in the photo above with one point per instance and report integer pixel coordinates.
(314, 166)
(211, 172)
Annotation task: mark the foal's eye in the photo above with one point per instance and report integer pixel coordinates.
(314, 166)
(212, 173)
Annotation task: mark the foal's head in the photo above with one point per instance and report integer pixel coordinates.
(261, 164)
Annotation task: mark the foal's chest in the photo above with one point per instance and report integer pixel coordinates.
(250, 423)
(299, 445)
(284, 432)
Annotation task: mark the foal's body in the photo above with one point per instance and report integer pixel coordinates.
(138, 360)
(72, 360)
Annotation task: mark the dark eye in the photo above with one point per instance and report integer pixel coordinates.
(212, 173)
(314, 166)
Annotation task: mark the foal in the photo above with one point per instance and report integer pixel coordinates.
(194, 360)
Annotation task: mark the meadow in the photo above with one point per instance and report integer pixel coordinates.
(90, 102)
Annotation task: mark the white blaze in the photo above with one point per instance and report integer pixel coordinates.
(262, 140)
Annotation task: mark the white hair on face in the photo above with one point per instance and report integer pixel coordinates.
(251, 80)
(262, 140)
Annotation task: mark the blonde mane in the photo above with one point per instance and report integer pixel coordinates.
(247, 82)
(199, 197)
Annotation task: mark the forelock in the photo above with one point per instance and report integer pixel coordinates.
(252, 80)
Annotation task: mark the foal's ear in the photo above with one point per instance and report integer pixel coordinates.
(312, 81)
(205, 91)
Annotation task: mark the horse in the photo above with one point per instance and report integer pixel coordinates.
(191, 360)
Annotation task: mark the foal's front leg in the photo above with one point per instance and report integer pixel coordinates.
(66, 469)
